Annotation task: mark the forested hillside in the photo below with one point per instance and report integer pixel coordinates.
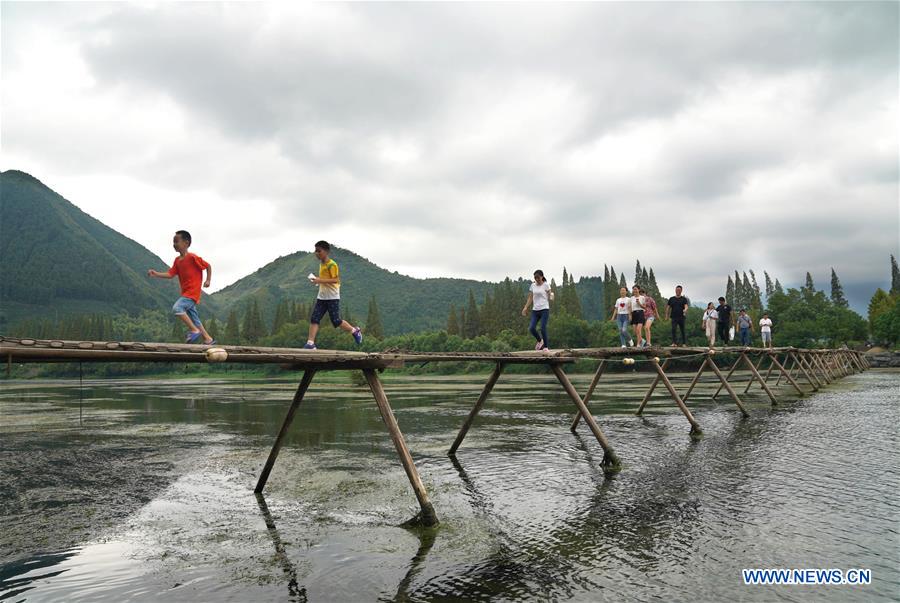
(407, 304)
(58, 260)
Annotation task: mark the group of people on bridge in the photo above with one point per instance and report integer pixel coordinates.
(638, 310)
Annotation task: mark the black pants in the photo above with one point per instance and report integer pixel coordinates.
(680, 323)
(723, 328)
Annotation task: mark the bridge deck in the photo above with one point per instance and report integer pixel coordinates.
(53, 350)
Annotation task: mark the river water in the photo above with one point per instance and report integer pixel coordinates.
(143, 490)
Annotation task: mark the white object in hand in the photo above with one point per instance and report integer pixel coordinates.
(311, 277)
(216, 355)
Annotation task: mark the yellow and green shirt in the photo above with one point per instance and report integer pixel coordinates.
(329, 270)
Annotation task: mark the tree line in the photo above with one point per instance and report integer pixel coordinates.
(803, 317)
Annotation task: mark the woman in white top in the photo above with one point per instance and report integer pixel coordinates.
(765, 329)
(622, 315)
(710, 317)
(539, 298)
(638, 301)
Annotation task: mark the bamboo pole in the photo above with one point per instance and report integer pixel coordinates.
(798, 362)
(809, 369)
(768, 372)
(285, 426)
(765, 386)
(786, 375)
(492, 381)
(428, 516)
(822, 368)
(727, 385)
(695, 427)
(752, 380)
(780, 376)
(730, 372)
(695, 380)
(610, 459)
(650, 390)
(590, 391)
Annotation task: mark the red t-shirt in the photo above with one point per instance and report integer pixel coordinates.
(190, 274)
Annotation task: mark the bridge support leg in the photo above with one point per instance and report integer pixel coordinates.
(785, 374)
(610, 459)
(798, 362)
(650, 390)
(492, 381)
(285, 426)
(695, 427)
(694, 381)
(750, 382)
(762, 381)
(726, 385)
(589, 393)
(728, 376)
(428, 516)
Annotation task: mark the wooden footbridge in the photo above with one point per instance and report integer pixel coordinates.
(801, 371)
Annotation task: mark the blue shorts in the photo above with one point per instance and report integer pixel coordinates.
(332, 306)
(185, 305)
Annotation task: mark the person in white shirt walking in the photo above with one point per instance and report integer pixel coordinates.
(539, 297)
(710, 318)
(765, 329)
(621, 314)
(638, 301)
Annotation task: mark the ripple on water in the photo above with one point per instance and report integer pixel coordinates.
(526, 509)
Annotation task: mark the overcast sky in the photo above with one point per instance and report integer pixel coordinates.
(474, 140)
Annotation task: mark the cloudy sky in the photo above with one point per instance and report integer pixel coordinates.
(473, 140)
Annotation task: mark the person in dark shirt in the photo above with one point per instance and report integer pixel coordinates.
(725, 320)
(676, 308)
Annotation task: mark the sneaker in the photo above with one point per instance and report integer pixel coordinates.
(210, 342)
(624, 346)
(310, 346)
(193, 337)
(357, 335)
(540, 345)
(631, 343)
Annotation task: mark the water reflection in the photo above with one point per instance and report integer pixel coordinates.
(295, 591)
(527, 513)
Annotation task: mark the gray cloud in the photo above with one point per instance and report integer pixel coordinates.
(766, 132)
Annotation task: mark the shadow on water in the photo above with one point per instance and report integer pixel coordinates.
(18, 577)
(298, 593)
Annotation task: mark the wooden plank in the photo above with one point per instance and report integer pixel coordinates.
(285, 426)
(428, 516)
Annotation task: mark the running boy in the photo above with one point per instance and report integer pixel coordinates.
(329, 298)
(188, 267)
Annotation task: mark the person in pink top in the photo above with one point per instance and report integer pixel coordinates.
(650, 315)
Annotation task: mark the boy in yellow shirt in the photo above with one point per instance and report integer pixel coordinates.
(329, 298)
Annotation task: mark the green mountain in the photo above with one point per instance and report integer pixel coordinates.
(57, 260)
(406, 304)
